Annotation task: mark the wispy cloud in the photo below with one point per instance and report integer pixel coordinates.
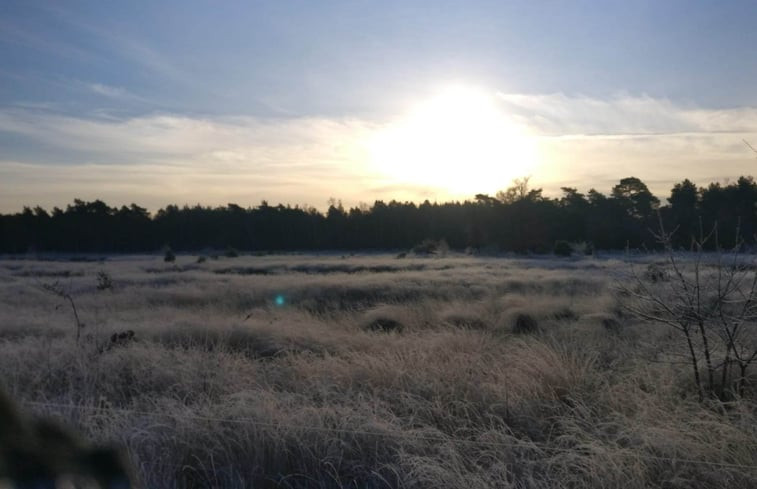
(170, 158)
(588, 141)
(107, 90)
(163, 135)
(622, 116)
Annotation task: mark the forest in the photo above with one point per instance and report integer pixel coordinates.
(518, 219)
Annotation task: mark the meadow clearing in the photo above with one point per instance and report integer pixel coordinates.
(369, 371)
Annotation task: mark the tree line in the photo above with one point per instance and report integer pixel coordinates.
(518, 219)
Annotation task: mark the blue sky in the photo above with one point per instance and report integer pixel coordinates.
(240, 101)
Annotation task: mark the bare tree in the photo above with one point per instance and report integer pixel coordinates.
(749, 145)
(517, 191)
(57, 289)
(711, 300)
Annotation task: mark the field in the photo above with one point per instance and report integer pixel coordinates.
(368, 371)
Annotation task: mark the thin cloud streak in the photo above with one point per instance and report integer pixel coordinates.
(107, 90)
(587, 142)
(561, 115)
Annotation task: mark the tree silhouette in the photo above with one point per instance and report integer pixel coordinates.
(517, 219)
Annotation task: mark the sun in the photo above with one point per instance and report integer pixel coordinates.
(458, 141)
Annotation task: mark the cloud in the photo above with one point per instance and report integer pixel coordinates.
(164, 136)
(107, 90)
(595, 142)
(622, 116)
(167, 158)
(158, 159)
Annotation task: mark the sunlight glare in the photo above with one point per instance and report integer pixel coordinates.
(457, 141)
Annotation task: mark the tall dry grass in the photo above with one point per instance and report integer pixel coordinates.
(223, 388)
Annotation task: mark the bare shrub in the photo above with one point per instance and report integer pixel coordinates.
(711, 300)
(120, 339)
(656, 272)
(59, 290)
(104, 281)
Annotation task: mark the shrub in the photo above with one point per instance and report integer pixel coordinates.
(119, 339)
(431, 247)
(525, 324)
(709, 300)
(231, 252)
(59, 290)
(168, 255)
(562, 248)
(426, 247)
(202, 259)
(656, 272)
(104, 282)
(442, 248)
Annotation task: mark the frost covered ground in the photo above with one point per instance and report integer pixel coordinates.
(367, 372)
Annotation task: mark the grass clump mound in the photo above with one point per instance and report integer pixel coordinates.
(384, 319)
(611, 324)
(384, 325)
(525, 324)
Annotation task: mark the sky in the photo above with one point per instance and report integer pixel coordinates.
(186, 102)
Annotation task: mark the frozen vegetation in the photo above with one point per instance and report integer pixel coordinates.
(332, 371)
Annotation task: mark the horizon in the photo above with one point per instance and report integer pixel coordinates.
(191, 103)
(339, 203)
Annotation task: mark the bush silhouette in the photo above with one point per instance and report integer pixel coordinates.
(168, 255)
(525, 324)
(562, 248)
